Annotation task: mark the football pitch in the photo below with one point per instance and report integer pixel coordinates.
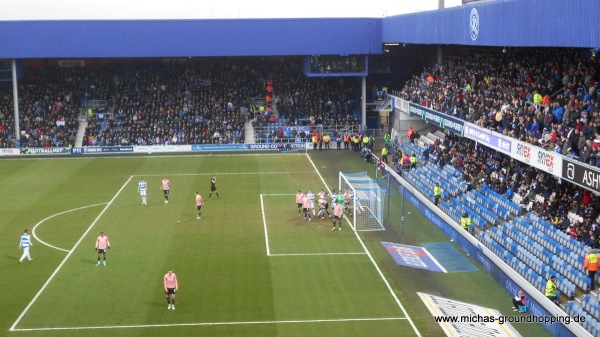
(250, 267)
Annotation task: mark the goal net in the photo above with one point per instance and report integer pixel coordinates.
(365, 211)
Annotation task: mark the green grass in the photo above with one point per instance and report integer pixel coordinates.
(307, 281)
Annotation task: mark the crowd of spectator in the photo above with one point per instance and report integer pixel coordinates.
(180, 102)
(547, 97)
(544, 195)
(302, 100)
(175, 101)
(49, 101)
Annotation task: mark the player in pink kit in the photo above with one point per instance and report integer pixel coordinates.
(299, 201)
(306, 207)
(338, 214)
(199, 203)
(166, 184)
(171, 287)
(102, 244)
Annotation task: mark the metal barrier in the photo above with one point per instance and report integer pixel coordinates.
(292, 133)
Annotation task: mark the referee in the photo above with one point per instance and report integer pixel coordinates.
(213, 188)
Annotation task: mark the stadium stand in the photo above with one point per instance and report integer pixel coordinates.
(530, 241)
(171, 101)
(49, 106)
(547, 97)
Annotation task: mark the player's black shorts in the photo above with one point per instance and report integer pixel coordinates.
(198, 207)
(165, 192)
(299, 205)
(171, 291)
(347, 203)
(101, 251)
(326, 206)
(305, 209)
(213, 188)
(335, 217)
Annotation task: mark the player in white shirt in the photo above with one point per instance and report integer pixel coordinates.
(142, 187)
(333, 198)
(311, 197)
(24, 244)
(357, 204)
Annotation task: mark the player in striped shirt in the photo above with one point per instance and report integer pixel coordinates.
(333, 198)
(311, 197)
(199, 203)
(142, 186)
(357, 204)
(24, 244)
(102, 244)
(166, 184)
(299, 199)
(171, 287)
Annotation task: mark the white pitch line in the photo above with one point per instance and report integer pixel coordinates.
(319, 254)
(262, 209)
(130, 155)
(52, 216)
(434, 260)
(279, 195)
(387, 284)
(12, 328)
(221, 174)
(215, 324)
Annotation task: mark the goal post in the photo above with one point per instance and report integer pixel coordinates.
(366, 201)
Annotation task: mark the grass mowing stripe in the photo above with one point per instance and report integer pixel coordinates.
(215, 323)
(387, 284)
(37, 295)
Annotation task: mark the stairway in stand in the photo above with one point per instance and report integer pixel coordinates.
(83, 123)
(249, 131)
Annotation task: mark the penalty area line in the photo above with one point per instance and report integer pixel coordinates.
(319, 254)
(385, 281)
(215, 324)
(262, 209)
(54, 215)
(224, 174)
(37, 295)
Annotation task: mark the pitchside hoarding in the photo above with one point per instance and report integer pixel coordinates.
(488, 138)
(583, 175)
(438, 119)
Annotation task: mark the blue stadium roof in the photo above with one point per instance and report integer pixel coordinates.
(557, 23)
